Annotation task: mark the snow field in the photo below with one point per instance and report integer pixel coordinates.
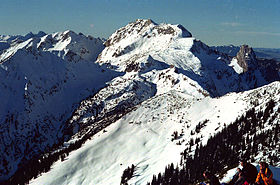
(143, 138)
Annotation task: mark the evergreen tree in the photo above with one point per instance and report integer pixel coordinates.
(237, 140)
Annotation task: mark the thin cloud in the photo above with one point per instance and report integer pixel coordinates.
(257, 33)
(232, 24)
(91, 25)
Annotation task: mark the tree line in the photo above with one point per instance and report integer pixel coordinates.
(244, 138)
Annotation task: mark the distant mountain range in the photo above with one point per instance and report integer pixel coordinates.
(80, 110)
(266, 53)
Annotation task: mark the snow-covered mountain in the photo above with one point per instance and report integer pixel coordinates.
(103, 107)
(43, 79)
(145, 137)
(246, 58)
(143, 45)
(7, 41)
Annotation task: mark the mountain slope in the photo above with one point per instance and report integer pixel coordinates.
(144, 137)
(150, 82)
(143, 45)
(253, 136)
(38, 75)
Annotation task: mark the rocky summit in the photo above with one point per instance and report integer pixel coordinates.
(73, 105)
(246, 58)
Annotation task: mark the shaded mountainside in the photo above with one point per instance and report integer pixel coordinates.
(264, 53)
(269, 65)
(62, 91)
(7, 41)
(248, 61)
(37, 75)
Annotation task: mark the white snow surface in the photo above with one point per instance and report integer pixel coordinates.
(37, 75)
(144, 46)
(167, 74)
(143, 138)
(235, 66)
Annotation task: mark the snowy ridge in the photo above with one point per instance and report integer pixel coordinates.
(35, 98)
(7, 41)
(120, 94)
(148, 81)
(141, 35)
(68, 45)
(144, 137)
(140, 46)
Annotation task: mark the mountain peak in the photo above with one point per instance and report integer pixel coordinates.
(155, 79)
(185, 32)
(145, 21)
(31, 35)
(139, 26)
(163, 28)
(246, 57)
(146, 28)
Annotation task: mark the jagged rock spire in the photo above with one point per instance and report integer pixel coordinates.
(246, 57)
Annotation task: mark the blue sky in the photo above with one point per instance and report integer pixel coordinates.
(215, 22)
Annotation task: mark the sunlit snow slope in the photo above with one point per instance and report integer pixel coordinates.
(143, 137)
(129, 95)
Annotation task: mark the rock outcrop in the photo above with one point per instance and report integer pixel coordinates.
(246, 57)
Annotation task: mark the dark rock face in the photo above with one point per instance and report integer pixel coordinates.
(3, 46)
(254, 67)
(169, 30)
(270, 69)
(198, 46)
(185, 32)
(246, 57)
(132, 67)
(164, 31)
